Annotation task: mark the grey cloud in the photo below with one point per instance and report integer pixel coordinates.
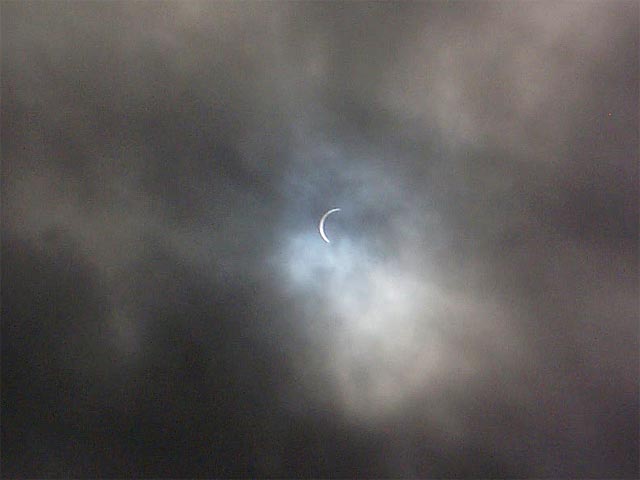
(170, 310)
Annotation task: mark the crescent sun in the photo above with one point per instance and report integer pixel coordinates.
(321, 225)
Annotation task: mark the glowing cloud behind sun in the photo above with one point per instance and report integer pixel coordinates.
(377, 320)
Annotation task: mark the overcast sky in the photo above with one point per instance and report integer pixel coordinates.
(169, 308)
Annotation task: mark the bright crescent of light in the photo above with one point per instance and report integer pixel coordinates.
(321, 225)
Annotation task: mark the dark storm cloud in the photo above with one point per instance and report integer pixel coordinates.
(170, 310)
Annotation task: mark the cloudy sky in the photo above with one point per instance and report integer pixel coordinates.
(169, 308)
